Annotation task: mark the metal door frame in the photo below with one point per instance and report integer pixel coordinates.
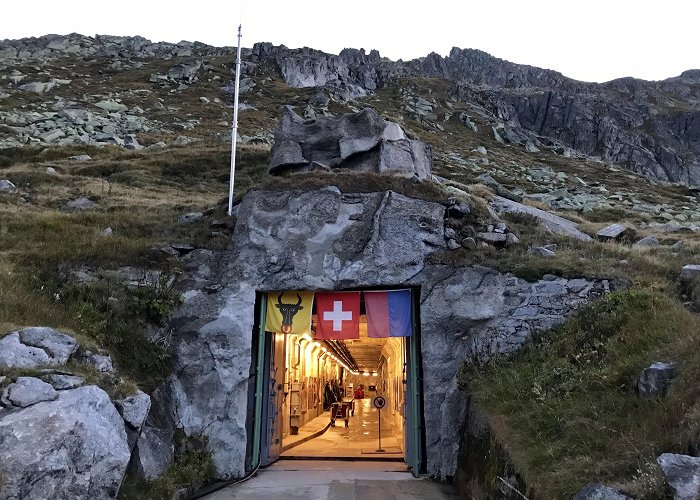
(414, 426)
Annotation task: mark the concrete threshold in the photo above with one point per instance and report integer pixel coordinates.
(306, 438)
(373, 458)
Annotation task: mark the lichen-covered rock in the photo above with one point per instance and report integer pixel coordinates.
(362, 142)
(72, 447)
(682, 474)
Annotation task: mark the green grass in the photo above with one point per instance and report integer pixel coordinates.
(565, 407)
(38, 243)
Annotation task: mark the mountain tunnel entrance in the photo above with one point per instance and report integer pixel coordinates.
(317, 377)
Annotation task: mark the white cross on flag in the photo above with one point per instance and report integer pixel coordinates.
(338, 315)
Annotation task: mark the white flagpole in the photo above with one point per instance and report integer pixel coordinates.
(235, 123)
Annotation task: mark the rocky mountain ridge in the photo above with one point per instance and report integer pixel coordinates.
(652, 128)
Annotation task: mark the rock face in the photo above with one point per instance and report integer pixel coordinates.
(362, 142)
(682, 475)
(325, 240)
(72, 447)
(153, 453)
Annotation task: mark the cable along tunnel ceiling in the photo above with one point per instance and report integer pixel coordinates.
(365, 351)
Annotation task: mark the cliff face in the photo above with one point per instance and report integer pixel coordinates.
(652, 128)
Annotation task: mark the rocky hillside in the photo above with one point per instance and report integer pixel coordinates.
(114, 158)
(652, 128)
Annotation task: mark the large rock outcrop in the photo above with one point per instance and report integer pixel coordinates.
(652, 128)
(362, 142)
(73, 446)
(325, 240)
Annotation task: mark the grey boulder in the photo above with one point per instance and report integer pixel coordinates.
(597, 491)
(102, 362)
(690, 271)
(36, 346)
(14, 354)
(26, 391)
(654, 380)
(189, 217)
(78, 205)
(7, 187)
(541, 252)
(134, 411)
(62, 382)
(682, 473)
(72, 447)
(611, 232)
(80, 158)
(111, 106)
(553, 223)
(362, 142)
(59, 346)
(648, 241)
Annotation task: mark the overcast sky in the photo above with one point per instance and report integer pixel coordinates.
(591, 40)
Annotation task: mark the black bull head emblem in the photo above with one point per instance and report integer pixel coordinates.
(288, 311)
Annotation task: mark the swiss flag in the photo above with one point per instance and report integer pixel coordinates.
(338, 315)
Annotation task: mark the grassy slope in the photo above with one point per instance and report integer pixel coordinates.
(566, 410)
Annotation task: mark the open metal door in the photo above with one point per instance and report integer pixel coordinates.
(413, 430)
(273, 398)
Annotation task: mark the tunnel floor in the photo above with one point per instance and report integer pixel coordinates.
(359, 440)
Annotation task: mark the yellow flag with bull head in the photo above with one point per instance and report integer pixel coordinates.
(289, 312)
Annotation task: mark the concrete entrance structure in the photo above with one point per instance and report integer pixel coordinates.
(326, 240)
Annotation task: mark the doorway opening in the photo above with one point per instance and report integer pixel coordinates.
(315, 397)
